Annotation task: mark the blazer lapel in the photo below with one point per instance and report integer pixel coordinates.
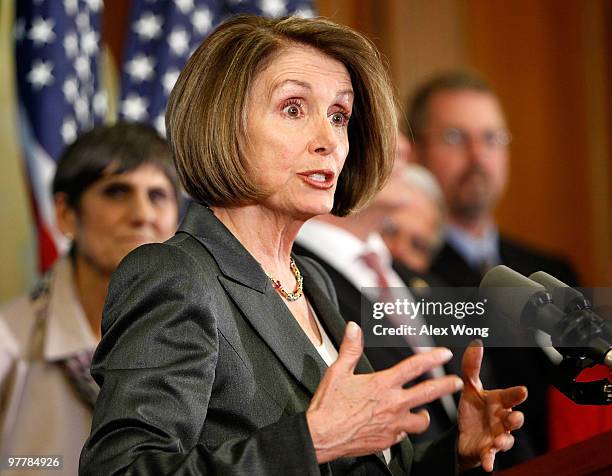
(328, 315)
(274, 323)
(250, 289)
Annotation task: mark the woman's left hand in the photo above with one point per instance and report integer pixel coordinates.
(486, 417)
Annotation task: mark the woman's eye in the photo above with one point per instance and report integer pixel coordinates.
(116, 191)
(339, 118)
(157, 196)
(293, 110)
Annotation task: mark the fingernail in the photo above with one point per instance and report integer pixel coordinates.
(477, 343)
(352, 330)
(458, 384)
(446, 354)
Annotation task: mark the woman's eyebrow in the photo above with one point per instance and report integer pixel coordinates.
(295, 82)
(302, 84)
(287, 82)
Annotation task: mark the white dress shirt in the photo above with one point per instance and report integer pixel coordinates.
(475, 250)
(343, 251)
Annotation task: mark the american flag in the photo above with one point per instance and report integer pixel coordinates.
(57, 51)
(162, 36)
(57, 45)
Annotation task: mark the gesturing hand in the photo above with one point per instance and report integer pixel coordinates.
(354, 415)
(485, 417)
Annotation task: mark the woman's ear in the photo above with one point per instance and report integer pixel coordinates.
(65, 215)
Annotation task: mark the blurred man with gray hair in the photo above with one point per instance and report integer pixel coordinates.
(414, 233)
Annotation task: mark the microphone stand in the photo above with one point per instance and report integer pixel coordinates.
(579, 337)
(597, 392)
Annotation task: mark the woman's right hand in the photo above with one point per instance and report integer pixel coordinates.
(354, 415)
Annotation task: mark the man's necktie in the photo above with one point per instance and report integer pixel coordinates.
(372, 261)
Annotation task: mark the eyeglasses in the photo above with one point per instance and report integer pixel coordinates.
(455, 137)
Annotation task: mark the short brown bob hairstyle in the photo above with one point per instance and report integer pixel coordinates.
(206, 115)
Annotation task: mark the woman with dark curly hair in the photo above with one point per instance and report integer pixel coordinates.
(115, 188)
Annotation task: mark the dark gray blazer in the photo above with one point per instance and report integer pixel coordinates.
(203, 369)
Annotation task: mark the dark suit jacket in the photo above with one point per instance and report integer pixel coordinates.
(452, 268)
(203, 369)
(506, 367)
(414, 280)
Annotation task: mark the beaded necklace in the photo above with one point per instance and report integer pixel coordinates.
(289, 296)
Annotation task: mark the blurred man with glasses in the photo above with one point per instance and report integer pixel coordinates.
(460, 134)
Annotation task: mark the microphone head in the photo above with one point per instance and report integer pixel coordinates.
(547, 280)
(508, 292)
(563, 295)
(502, 276)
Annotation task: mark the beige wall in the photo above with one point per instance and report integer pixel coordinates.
(18, 246)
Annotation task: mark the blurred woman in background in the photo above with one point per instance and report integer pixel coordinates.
(115, 189)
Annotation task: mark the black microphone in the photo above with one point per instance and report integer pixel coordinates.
(520, 299)
(529, 303)
(570, 299)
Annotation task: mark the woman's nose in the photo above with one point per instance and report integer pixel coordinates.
(142, 210)
(325, 138)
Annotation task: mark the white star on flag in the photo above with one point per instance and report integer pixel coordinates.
(71, 45)
(81, 109)
(140, 68)
(89, 42)
(202, 20)
(94, 5)
(185, 6)
(82, 22)
(100, 103)
(148, 26)
(40, 74)
(273, 8)
(134, 107)
(69, 131)
(169, 79)
(71, 7)
(83, 67)
(70, 88)
(42, 31)
(178, 41)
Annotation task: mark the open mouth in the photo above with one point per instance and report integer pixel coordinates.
(322, 179)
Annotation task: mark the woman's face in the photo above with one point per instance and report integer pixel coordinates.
(119, 213)
(297, 131)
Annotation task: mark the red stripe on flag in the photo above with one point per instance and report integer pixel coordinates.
(47, 251)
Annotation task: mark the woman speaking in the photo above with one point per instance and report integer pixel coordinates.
(224, 354)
